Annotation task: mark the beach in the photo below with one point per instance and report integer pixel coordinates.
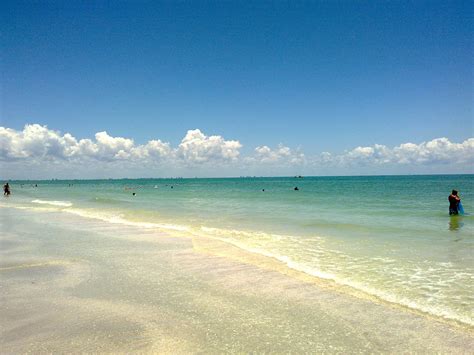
(76, 284)
(233, 177)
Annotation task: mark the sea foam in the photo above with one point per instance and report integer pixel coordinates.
(53, 203)
(246, 240)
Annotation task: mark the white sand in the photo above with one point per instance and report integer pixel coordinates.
(71, 284)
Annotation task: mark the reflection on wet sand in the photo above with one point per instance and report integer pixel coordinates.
(455, 223)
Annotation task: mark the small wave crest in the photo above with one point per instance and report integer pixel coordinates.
(119, 219)
(53, 203)
(234, 237)
(245, 240)
(108, 201)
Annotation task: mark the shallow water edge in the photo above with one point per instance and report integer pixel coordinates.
(78, 284)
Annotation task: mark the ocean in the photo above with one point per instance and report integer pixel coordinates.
(388, 237)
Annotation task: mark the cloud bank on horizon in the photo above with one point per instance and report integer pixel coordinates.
(40, 152)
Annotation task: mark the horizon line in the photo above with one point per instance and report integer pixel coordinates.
(234, 177)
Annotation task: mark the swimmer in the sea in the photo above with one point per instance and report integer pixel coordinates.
(6, 189)
(454, 200)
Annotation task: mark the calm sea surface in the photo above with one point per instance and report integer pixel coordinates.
(387, 236)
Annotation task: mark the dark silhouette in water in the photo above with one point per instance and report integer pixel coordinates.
(454, 203)
(6, 189)
(296, 188)
(133, 194)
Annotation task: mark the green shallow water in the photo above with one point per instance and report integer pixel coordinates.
(387, 236)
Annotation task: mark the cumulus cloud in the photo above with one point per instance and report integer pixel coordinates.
(281, 154)
(154, 149)
(199, 148)
(37, 144)
(108, 147)
(436, 151)
(35, 141)
(40, 142)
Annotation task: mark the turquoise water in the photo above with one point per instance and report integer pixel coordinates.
(387, 236)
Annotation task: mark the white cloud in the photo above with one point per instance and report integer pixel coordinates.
(108, 147)
(198, 153)
(199, 148)
(281, 155)
(436, 151)
(154, 149)
(39, 142)
(35, 141)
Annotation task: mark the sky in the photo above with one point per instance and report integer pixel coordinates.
(232, 88)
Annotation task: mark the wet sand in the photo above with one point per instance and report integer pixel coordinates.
(72, 284)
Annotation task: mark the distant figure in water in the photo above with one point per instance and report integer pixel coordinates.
(6, 189)
(296, 188)
(263, 190)
(454, 203)
(133, 194)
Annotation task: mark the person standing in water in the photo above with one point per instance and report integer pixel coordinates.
(454, 203)
(6, 189)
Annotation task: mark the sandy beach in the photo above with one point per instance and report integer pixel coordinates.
(236, 177)
(73, 284)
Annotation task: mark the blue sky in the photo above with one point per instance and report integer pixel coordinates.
(318, 76)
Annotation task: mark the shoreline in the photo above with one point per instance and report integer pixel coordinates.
(259, 290)
(273, 264)
(246, 255)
